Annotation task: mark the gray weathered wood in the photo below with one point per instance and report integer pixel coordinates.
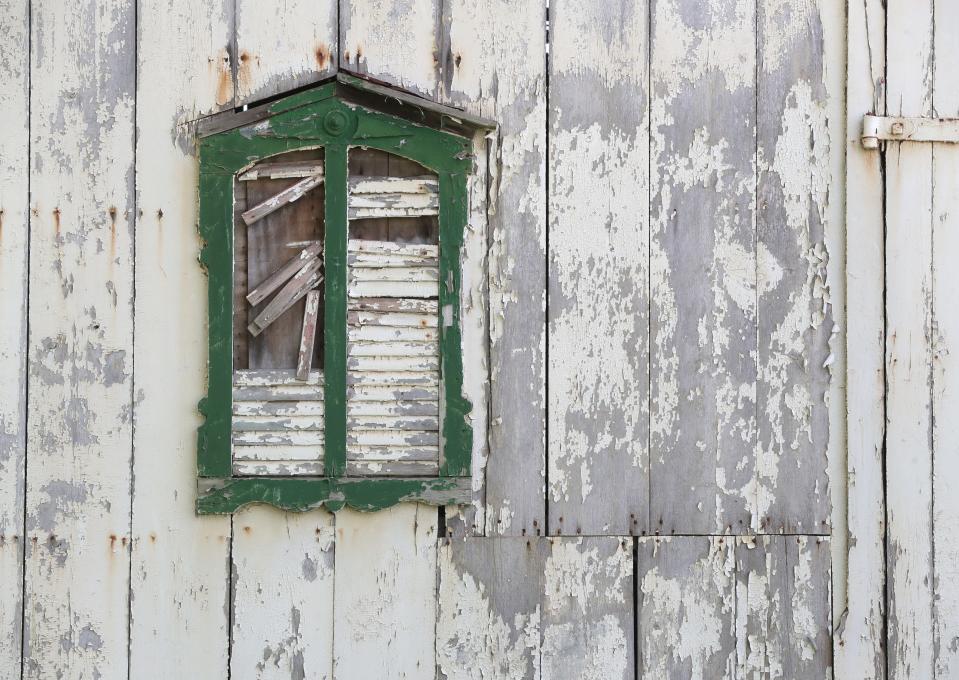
(703, 266)
(588, 609)
(393, 349)
(686, 608)
(388, 248)
(280, 452)
(783, 603)
(266, 422)
(277, 346)
(305, 280)
(280, 276)
(274, 377)
(794, 312)
(80, 347)
(308, 337)
(390, 407)
(391, 452)
(400, 289)
(278, 437)
(490, 608)
(598, 375)
(277, 408)
(292, 193)
(14, 229)
(486, 74)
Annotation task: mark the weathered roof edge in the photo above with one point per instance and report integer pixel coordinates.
(451, 118)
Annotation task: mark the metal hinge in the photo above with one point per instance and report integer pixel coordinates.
(877, 129)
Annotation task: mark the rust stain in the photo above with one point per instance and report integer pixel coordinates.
(244, 73)
(56, 220)
(113, 233)
(247, 530)
(346, 56)
(322, 55)
(224, 81)
(1, 225)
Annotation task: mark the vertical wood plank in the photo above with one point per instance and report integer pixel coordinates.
(685, 606)
(783, 607)
(283, 45)
(795, 319)
(909, 348)
(14, 237)
(180, 572)
(703, 266)
(81, 339)
(490, 608)
(490, 75)
(396, 41)
(860, 643)
(588, 609)
(282, 595)
(385, 594)
(598, 372)
(945, 357)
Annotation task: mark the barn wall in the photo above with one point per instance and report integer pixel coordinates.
(664, 485)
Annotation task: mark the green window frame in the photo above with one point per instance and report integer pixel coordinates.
(329, 116)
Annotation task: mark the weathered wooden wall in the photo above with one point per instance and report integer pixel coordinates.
(662, 491)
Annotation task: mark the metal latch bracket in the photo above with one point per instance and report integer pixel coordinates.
(877, 129)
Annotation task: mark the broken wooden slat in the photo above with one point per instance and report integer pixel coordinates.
(278, 437)
(388, 260)
(423, 184)
(276, 279)
(270, 423)
(421, 423)
(390, 393)
(390, 304)
(393, 363)
(310, 313)
(391, 319)
(398, 407)
(288, 195)
(304, 280)
(395, 274)
(392, 468)
(398, 289)
(279, 393)
(278, 468)
(392, 438)
(390, 334)
(291, 409)
(287, 170)
(393, 452)
(393, 349)
(430, 378)
(406, 249)
(277, 452)
(272, 377)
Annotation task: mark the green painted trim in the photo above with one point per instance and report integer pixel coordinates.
(334, 125)
(457, 439)
(334, 305)
(222, 496)
(216, 209)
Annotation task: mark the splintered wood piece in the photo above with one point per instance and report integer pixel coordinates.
(394, 185)
(276, 279)
(286, 196)
(304, 280)
(288, 170)
(305, 361)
